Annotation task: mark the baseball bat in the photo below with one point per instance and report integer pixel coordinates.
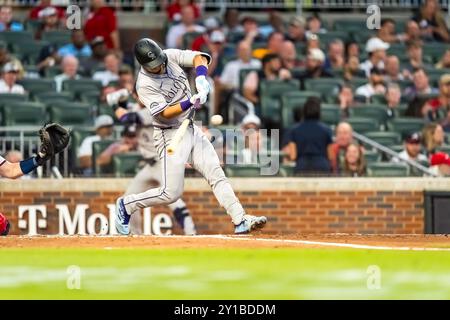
(178, 137)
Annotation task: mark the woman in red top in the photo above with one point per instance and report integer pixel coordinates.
(102, 22)
(174, 9)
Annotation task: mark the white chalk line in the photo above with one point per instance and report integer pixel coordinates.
(250, 238)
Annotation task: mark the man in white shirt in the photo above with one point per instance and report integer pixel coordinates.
(69, 67)
(412, 149)
(374, 86)
(376, 49)
(103, 130)
(230, 73)
(9, 77)
(112, 65)
(175, 34)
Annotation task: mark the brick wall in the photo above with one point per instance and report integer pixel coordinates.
(288, 211)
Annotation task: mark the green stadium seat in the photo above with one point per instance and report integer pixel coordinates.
(237, 170)
(372, 156)
(444, 148)
(33, 86)
(287, 170)
(23, 113)
(362, 125)
(57, 37)
(53, 71)
(378, 99)
(81, 85)
(330, 113)
(12, 97)
(376, 112)
(290, 101)
(387, 169)
(362, 35)
(126, 164)
(70, 114)
(97, 148)
(188, 39)
(310, 84)
(385, 138)
(405, 126)
(356, 82)
(29, 50)
(77, 137)
(16, 37)
(349, 25)
(276, 88)
(326, 38)
(90, 97)
(397, 148)
(52, 97)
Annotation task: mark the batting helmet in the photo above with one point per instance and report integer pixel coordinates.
(149, 54)
(4, 225)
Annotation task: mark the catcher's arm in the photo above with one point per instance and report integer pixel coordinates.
(11, 170)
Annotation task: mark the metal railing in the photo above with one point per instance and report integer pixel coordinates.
(393, 154)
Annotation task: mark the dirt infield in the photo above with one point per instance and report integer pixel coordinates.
(406, 242)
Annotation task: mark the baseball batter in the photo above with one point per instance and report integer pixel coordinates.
(163, 87)
(135, 113)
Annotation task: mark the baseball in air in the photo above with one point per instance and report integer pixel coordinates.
(216, 120)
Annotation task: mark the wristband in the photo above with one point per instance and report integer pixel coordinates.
(186, 104)
(28, 165)
(201, 71)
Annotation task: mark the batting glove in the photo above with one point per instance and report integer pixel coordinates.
(202, 85)
(199, 96)
(113, 98)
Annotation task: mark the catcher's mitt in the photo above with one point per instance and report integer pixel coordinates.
(54, 139)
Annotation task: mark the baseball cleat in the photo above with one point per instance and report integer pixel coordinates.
(122, 220)
(250, 223)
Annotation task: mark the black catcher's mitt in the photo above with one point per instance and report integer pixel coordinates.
(54, 139)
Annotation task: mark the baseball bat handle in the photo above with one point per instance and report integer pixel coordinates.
(178, 137)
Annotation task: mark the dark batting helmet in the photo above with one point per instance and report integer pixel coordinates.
(149, 54)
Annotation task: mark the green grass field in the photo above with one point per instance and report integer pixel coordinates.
(222, 274)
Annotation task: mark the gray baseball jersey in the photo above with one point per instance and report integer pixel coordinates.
(159, 91)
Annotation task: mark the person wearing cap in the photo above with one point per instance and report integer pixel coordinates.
(111, 72)
(49, 22)
(78, 48)
(69, 66)
(211, 24)
(421, 85)
(214, 43)
(376, 48)
(296, 30)
(412, 150)
(374, 86)
(99, 52)
(314, 66)
(102, 21)
(9, 77)
(7, 23)
(174, 9)
(174, 38)
(103, 130)
(128, 143)
(43, 4)
(440, 164)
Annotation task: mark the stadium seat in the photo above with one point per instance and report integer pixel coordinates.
(444, 148)
(126, 164)
(57, 37)
(330, 113)
(362, 125)
(276, 88)
(326, 38)
(77, 137)
(290, 101)
(375, 112)
(378, 99)
(287, 170)
(23, 113)
(188, 39)
(52, 97)
(53, 71)
(12, 97)
(70, 114)
(97, 148)
(30, 51)
(16, 37)
(372, 156)
(38, 85)
(397, 147)
(90, 97)
(237, 170)
(349, 25)
(387, 169)
(385, 138)
(362, 35)
(82, 85)
(356, 82)
(405, 126)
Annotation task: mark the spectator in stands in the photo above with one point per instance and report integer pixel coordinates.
(78, 48)
(443, 100)
(96, 60)
(308, 141)
(275, 24)
(7, 23)
(432, 22)
(393, 99)
(346, 99)
(126, 81)
(419, 108)
(216, 47)
(9, 77)
(392, 70)
(314, 66)
(231, 21)
(202, 41)
(387, 31)
(415, 56)
(351, 69)
(288, 55)
(440, 164)
(175, 8)
(274, 45)
(421, 85)
(296, 30)
(413, 148)
(374, 86)
(336, 150)
(253, 143)
(69, 67)
(314, 25)
(412, 32)
(312, 42)
(174, 38)
(128, 143)
(376, 49)
(112, 65)
(251, 31)
(102, 21)
(354, 161)
(433, 137)
(335, 58)
(352, 49)
(43, 4)
(271, 70)
(230, 75)
(48, 57)
(103, 130)
(6, 56)
(49, 22)
(444, 62)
